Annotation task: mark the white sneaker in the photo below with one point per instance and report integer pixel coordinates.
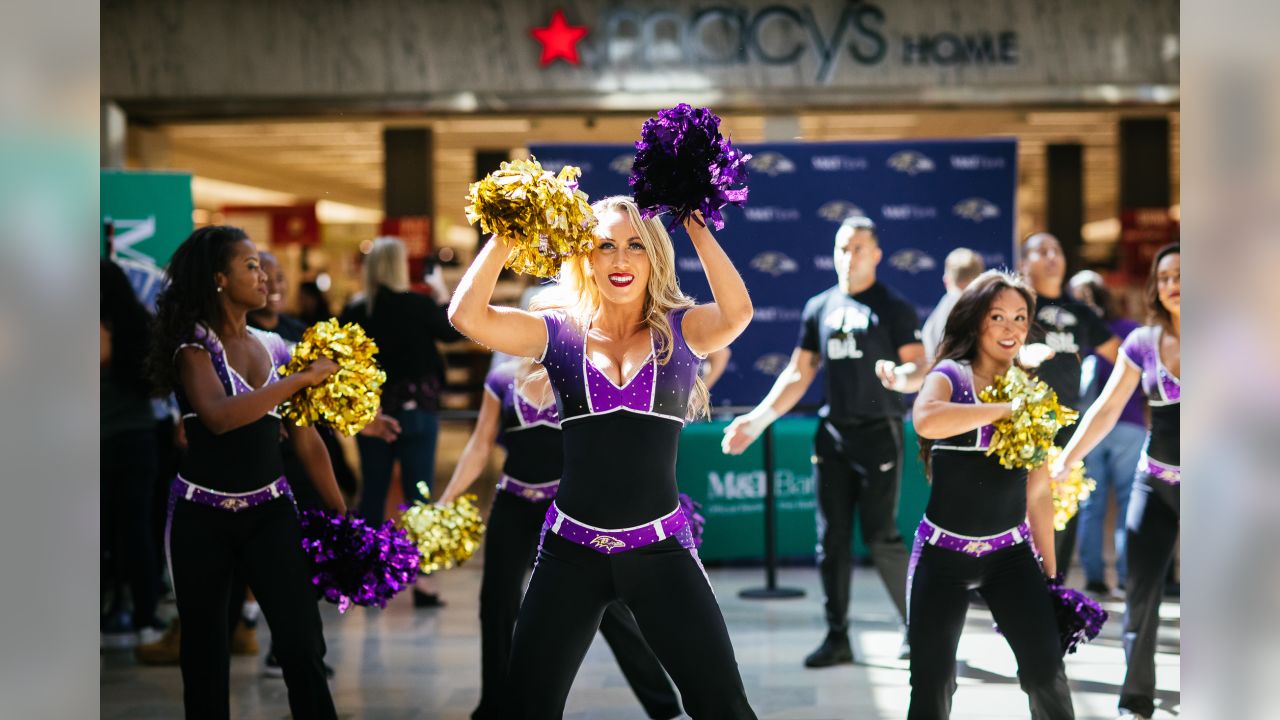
(148, 635)
(1133, 716)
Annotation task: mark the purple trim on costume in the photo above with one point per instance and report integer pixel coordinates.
(1142, 349)
(233, 502)
(917, 546)
(962, 392)
(637, 394)
(533, 493)
(673, 524)
(1164, 472)
(658, 388)
(971, 546)
(530, 414)
(232, 382)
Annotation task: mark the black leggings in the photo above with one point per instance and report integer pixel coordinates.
(859, 468)
(206, 545)
(666, 588)
(128, 476)
(1011, 582)
(1151, 531)
(509, 548)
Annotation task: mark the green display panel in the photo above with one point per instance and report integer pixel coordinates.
(731, 490)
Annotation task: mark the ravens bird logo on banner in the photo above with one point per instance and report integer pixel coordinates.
(771, 163)
(910, 162)
(976, 209)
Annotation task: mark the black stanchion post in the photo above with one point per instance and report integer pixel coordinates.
(770, 590)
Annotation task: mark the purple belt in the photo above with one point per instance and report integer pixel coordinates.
(931, 534)
(183, 489)
(1171, 474)
(533, 492)
(673, 524)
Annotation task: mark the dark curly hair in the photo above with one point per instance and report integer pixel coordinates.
(964, 324)
(129, 323)
(190, 298)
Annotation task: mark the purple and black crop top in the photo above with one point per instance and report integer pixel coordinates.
(535, 449)
(248, 457)
(1160, 455)
(972, 494)
(620, 442)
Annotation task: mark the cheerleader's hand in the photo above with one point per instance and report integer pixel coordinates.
(1034, 355)
(384, 427)
(319, 370)
(694, 222)
(1058, 468)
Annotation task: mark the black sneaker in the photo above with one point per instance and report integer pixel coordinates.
(426, 600)
(271, 668)
(1097, 587)
(834, 650)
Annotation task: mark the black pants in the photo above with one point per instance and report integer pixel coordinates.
(206, 546)
(859, 468)
(1011, 582)
(509, 548)
(1151, 531)
(1064, 540)
(127, 479)
(666, 589)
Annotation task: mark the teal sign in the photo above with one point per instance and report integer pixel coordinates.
(149, 211)
(731, 490)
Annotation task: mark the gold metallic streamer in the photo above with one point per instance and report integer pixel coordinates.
(1069, 492)
(1023, 440)
(544, 217)
(446, 535)
(350, 398)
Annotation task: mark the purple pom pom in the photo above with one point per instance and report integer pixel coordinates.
(355, 563)
(1080, 617)
(684, 164)
(696, 521)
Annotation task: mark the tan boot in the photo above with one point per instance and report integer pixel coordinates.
(244, 640)
(164, 651)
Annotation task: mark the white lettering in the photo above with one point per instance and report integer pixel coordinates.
(843, 348)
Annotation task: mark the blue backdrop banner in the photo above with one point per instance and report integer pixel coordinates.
(926, 197)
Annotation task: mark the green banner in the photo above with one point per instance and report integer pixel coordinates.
(150, 212)
(731, 490)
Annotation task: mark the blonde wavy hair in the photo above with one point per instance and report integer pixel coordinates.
(578, 296)
(386, 265)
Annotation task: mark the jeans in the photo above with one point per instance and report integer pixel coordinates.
(415, 448)
(1111, 465)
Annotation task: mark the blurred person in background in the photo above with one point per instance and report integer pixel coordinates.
(1112, 463)
(1071, 330)
(958, 270)
(272, 315)
(867, 337)
(519, 412)
(129, 457)
(406, 326)
(231, 509)
(313, 304)
(1152, 360)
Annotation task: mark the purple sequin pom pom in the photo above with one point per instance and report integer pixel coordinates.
(1080, 617)
(684, 164)
(696, 521)
(355, 563)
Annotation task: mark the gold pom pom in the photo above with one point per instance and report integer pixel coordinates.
(545, 217)
(351, 397)
(1023, 440)
(1069, 492)
(446, 535)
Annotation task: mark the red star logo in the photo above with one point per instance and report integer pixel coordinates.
(559, 40)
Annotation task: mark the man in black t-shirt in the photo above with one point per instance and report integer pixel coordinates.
(1071, 330)
(868, 339)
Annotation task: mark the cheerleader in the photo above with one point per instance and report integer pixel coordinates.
(982, 518)
(519, 412)
(1151, 357)
(230, 507)
(621, 346)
